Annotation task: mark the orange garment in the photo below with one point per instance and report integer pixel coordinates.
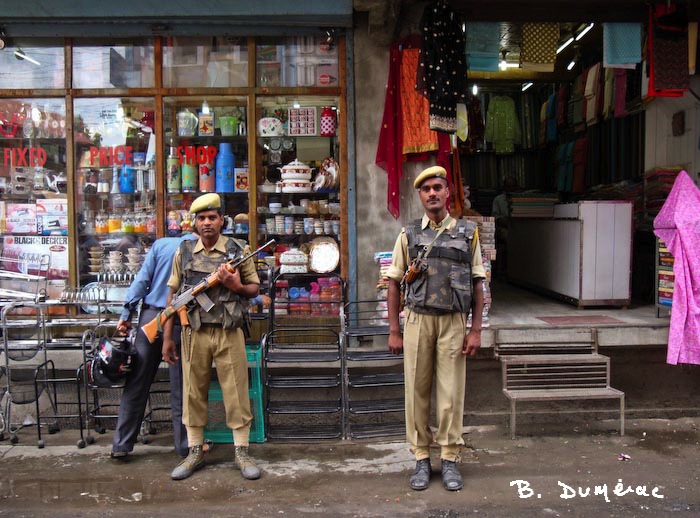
(417, 135)
(457, 190)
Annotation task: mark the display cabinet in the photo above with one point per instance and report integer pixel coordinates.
(298, 173)
(206, 150)
(33, 190)
(115, 194)
(136, 130)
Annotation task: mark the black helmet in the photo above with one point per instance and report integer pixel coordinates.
(112, 361)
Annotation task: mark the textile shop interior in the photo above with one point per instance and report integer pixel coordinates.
(555, 127)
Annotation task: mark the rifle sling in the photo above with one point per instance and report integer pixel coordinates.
(429, 248)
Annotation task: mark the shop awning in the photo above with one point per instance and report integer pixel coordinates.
(129, 18)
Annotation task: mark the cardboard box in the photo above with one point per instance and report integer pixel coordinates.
(240, 179)
(51, 225)
(20, 218)
(27, 246)
(57, 206)
(52, 216)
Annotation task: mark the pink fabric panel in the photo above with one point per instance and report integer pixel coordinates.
(678, 225)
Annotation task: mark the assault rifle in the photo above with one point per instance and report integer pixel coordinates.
(416, 266)
(196, 293)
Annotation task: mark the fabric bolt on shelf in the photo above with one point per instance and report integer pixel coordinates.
(591, 94)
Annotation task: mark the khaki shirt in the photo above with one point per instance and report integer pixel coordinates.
(399, 257)
(249, 274)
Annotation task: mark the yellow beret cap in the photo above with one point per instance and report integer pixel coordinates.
(210, 201)
(435, 171)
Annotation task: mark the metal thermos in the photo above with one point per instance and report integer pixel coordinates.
(151, 185)
(140, 179)
(225, 165)
(172, 171)
(127, 179)
(189, 177)
(115, 180)
(207, 177)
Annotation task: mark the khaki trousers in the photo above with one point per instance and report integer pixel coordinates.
(432, 348)
(226, 347)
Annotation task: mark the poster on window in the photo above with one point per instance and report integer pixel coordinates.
(22, 254)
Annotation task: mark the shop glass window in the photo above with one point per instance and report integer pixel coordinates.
(33, 189)
(115, 187)
(36, 64)
(205, 62)
(123, 64)
(206, 150)
(310, 60)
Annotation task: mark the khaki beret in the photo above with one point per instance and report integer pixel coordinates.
(435, 171)
(210, 201)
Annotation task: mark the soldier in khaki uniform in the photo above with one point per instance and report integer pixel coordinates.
(435, 340)
(215, 335)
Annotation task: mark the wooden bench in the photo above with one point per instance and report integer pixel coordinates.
(552, 377)
(508, 342)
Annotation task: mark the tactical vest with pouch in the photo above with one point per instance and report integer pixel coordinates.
(230, 309)
(445, 286)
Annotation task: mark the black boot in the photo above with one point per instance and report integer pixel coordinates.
(451, 477)
(421, 475)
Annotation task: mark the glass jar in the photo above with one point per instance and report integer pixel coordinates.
(140, 222)
(151, 223)
(101, 223)
(128, 223)
(115, 222)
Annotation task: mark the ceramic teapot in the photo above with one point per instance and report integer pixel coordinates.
(187, 123)
(296, 169)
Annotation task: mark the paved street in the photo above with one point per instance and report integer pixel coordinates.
(564, 470)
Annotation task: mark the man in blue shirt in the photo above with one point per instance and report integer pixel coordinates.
(149, 286)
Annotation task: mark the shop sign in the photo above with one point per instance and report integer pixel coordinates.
(196, 154)
(108, 156)
(24, 157)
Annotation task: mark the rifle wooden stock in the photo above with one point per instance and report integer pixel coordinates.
(151, 329)
(179, 304)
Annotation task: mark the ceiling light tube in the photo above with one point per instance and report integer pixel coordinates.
(565, 44)
(571, 65)
(584, 31)
(19, 54)
(526, 86)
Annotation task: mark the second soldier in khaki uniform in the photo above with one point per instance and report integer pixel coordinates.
(446, 282)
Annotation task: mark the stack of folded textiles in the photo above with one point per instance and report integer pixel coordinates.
(533, 205)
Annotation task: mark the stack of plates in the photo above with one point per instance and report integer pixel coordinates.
(328, 176)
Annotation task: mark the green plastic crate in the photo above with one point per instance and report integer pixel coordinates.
(216, 429)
